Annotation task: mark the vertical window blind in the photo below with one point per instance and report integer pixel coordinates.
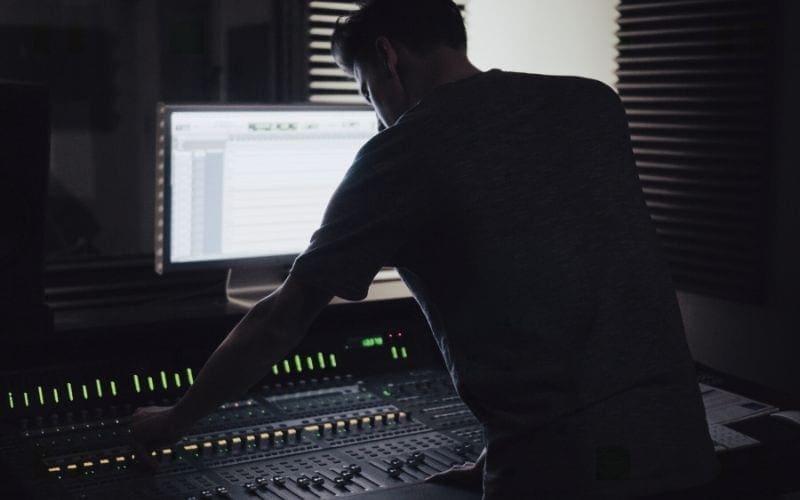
(694, 76)
(328, 83)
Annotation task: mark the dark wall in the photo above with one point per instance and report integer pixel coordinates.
(762, 343)
(107, 63)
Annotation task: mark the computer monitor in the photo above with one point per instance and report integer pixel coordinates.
(246, 186)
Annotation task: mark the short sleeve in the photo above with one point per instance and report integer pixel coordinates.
(375, 211)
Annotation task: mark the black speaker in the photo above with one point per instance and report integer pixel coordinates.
(24, 164)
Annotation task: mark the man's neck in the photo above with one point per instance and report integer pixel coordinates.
(441, 67)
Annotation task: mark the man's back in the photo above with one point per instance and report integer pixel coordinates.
(511, 206)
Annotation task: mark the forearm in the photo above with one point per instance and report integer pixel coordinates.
(241, 360)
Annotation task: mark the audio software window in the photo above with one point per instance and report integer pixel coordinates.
(249, 184)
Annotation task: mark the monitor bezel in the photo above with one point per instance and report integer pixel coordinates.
(163, 195)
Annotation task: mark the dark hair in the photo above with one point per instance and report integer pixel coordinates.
(418, 24)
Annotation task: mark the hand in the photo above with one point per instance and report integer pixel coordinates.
(469, 477)
(153, 427)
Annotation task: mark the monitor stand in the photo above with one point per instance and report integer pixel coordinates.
(247, 285)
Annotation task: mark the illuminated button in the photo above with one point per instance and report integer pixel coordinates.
(365, 422)
(120, 459)
(207, 446)
(341, 426)
(236, 443)
(403, 416)
(166, 452)
(378, 419)
(291, 434)
(353, 423)
(313, 429)
(191, 448)
(278, 437)
(390, 418)
(264, 437)
(327, 428)
(222, 445)
(104, 461)
(54, 469)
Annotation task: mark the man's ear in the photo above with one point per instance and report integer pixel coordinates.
(386, 56)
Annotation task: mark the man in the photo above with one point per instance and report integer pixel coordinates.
(511, 206)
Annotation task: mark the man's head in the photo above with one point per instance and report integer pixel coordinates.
(398, 50)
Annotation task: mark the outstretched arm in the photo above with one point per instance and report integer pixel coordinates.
(272, 328)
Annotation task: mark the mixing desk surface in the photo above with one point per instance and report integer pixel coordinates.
(348, 414)
(317, 438)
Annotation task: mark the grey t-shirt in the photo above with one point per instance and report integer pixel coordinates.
(511, 206)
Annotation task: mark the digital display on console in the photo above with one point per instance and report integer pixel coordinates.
(250, 183)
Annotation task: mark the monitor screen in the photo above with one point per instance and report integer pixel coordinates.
(240, 184)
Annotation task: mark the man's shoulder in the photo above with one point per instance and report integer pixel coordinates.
(556, 83)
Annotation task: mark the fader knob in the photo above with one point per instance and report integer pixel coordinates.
(394, 471)
(223, 492)
(262, 482)
(279, 481)
(304, 482)
(347, 475)
(396, 462)
(317, 480)
(251, 488)
(354, 468)
(339, 481)
(206, 494)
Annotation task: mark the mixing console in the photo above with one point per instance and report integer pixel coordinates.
(313, 438)
(353, 415)
(363, 407)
